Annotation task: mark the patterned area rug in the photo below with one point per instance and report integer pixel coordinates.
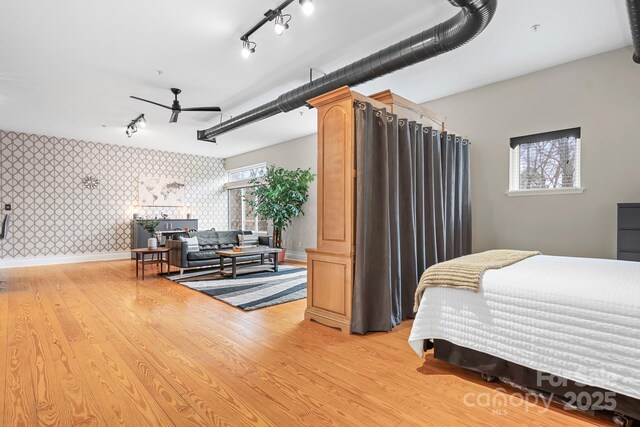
(250, 291)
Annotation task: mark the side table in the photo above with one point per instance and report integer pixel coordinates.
(143, 252)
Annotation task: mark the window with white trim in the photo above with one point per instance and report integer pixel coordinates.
(241, 216)
(546, 163)
(247, 172)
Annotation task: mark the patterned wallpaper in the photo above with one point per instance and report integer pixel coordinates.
(54, 214)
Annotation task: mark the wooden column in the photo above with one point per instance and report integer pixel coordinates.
(330, 265)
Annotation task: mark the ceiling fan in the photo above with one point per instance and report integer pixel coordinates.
(175, 107)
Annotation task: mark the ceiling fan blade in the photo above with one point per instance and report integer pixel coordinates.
(150, 102)
(217, 109)
(174, 116)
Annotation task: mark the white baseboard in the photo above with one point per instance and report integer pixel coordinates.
(296, 256)
(62, 259)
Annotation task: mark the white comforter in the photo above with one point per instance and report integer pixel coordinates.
(577, 318)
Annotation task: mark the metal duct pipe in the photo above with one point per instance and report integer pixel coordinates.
(444, 37)
(633, 7)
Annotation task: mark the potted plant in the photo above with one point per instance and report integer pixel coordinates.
(279, 196)
(150, 226)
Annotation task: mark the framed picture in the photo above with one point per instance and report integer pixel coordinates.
(161, 192)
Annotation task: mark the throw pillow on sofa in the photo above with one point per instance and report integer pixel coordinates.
(192, 244)
(248, 239)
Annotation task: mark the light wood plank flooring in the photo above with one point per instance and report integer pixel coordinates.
(87, 344)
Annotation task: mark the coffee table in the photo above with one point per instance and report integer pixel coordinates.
(141, 254)
(244, 269)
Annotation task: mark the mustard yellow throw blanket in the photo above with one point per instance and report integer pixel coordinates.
(466, 272)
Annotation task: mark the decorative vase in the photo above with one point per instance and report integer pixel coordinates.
(152, 243)
(188, 216)
(281, 255)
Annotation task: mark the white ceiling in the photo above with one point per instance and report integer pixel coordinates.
(67, 67)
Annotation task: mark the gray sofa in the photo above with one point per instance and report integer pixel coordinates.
(209, 242)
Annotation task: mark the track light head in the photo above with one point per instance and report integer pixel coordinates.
(307, 6)
(281, 24)
(248, 48)
(132, 127)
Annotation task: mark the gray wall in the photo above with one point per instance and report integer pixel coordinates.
(53, 214)
(297, 153)
(601, 94)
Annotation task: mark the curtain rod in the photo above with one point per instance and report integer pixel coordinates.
(442, 128)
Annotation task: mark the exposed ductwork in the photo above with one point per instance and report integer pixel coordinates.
(633, 7)
(444, 37)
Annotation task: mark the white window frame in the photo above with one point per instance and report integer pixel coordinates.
(514, 176)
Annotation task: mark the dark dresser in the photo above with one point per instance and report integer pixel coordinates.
(139, 235)
(629, 231)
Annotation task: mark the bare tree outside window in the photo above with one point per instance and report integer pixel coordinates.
(247, 173)
(548, 164)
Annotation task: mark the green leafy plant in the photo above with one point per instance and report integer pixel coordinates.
(279, 196)
(149, 225)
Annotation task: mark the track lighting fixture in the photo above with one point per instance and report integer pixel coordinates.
(248, 47)
(133, 126)
(307, 6)
(282, 23)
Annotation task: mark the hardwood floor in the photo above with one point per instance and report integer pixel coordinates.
(87, 344)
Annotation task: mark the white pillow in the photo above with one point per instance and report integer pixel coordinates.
(192, 244)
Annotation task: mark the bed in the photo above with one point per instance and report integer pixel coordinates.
(575, 318)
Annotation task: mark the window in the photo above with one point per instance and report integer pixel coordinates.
(247, 172)
(546, 163)
(241, 216)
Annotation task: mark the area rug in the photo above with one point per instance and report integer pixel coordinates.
(250, 291)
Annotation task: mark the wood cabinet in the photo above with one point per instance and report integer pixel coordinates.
(329, 288)
(330, 265)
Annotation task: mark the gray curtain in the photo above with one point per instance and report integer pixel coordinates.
(412, 210)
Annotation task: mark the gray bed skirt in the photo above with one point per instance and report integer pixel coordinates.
(563, 391)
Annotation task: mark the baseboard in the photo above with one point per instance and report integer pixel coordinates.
(296, 256)
(62, 259)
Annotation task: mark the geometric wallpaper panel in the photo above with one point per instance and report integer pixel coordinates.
(54, 214)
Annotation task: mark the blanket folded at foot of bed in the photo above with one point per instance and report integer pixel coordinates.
(466, 272)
